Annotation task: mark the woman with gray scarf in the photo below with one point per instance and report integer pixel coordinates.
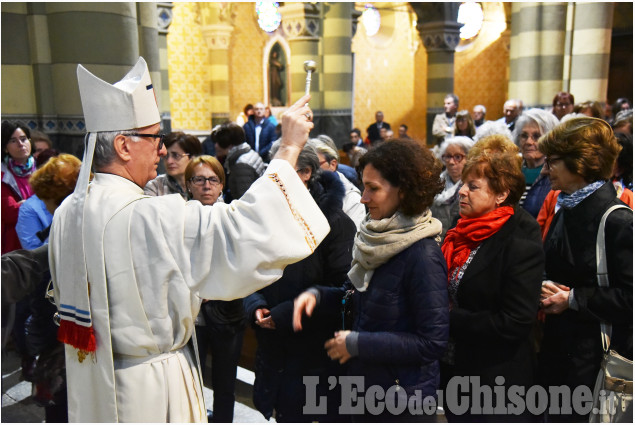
(396, 291)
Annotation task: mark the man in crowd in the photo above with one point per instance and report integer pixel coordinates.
(442, 124)
(478, 115)
(374, 130)
(130, 271)
(260, 132)
(511, 111)
(355, 137)
(403, 132)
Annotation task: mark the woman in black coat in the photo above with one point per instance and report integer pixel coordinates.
(580, 157)
(283, 357)
(396, 292)
(495, 265)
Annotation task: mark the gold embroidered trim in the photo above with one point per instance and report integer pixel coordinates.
(308, 234)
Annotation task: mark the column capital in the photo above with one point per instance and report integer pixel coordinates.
(301, 21)
(217, 36)
(440, 35)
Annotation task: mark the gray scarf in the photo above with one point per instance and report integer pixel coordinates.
(379, 240)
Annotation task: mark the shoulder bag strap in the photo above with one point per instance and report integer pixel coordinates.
(602, 273)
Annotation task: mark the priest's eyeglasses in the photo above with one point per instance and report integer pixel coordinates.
(200, 180)
(161, 136)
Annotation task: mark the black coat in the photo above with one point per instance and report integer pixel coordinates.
(498, 298)
(284, 357)
(571, 351)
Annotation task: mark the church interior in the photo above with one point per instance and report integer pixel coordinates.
(209, 59)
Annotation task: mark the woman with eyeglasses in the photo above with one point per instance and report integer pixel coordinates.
(445, 207)
(220, 325)
(181, 149)
(531, 126)
(495, 264)
(563, 104)
(581, 153)
(17, 166)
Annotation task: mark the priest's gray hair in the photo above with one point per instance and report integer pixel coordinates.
(545, 120)
(105, 149)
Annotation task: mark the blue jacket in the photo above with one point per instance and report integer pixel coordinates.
(536, 195)
(267, 136)
(402, 319)
(33, 217)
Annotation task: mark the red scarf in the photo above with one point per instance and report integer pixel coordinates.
(469, 233)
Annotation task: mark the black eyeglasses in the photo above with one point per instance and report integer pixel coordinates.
(457, 158)
(154, 136)
(549, 160)
(200, 180)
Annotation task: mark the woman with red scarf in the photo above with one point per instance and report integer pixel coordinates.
(495, 265)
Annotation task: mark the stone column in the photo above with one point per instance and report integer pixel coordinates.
(537, 51)
(301, 25)
(26, 58)
(164, 19)
(440, 38)
(337, 78)
(103, 37)
(590, 52)
(217, 31)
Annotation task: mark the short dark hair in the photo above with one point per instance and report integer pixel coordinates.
(454, 97)
(8, 128)
(563, 95)
(586, 145)
(228, 134)
(411, 167)
(190, 144)
(404, 126)
(356, 130)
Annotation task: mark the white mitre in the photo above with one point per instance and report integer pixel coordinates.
(124, 105)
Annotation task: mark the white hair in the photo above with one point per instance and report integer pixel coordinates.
(490, 128)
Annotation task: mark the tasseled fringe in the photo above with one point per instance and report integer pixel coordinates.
(80, 337)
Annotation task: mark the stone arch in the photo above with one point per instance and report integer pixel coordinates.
(276, 40)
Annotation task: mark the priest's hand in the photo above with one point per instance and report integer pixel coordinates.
(296, 125)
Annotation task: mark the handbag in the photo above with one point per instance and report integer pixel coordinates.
(613, 391)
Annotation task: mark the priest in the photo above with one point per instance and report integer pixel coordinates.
(129, 271)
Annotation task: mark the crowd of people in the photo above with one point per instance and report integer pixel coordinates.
(374, 257)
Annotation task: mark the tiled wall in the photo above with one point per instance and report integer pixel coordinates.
(187, 60)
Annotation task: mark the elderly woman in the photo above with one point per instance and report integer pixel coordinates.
(220, 325)
(464, 124)
(396, 291)
(445, 207)
(530, 126)
(181, 149)
(495, 263)
(283, 357)
(580, 156)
